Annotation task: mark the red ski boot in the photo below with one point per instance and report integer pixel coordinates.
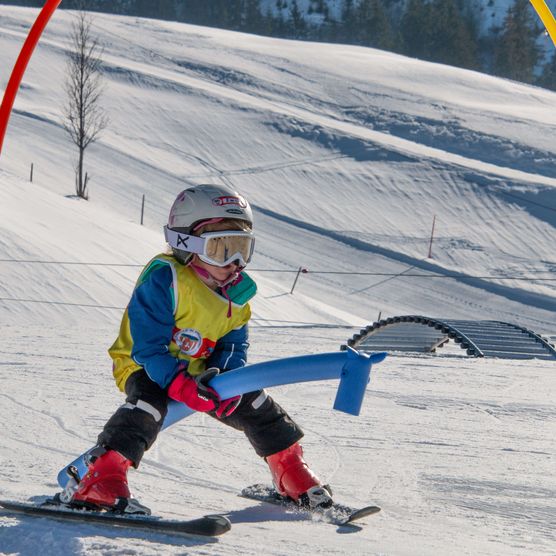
(105, 486)
(292, 477)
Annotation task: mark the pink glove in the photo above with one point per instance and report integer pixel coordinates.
(195, 392)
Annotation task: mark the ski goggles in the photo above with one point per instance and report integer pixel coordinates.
(215, 248)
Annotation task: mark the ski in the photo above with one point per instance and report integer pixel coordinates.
(337, 514)
(208, 525)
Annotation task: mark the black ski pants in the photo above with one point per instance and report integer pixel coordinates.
(134, 427)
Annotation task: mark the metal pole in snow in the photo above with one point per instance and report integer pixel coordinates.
(142, 208)
(301, 269)
(432, 235)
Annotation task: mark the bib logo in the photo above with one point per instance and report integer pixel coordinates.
(190, 342)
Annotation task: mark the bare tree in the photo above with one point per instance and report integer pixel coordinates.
(84, 117)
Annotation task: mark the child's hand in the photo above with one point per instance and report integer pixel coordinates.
(198, 395)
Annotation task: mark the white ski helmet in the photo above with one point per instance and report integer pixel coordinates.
(204, 202)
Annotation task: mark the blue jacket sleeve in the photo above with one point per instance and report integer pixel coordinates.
(151, 321)
(230, 351)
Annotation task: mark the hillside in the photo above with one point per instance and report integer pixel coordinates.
(336, 143)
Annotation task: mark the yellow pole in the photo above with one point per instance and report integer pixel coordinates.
(547, 18)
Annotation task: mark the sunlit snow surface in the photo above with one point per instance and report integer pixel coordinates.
(347, 154)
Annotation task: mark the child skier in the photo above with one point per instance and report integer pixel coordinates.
(187, 321)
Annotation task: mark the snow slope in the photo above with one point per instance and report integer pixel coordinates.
(347, 154)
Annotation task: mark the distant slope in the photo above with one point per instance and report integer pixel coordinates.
(328, 141)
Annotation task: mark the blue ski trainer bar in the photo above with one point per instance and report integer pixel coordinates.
(353, 368)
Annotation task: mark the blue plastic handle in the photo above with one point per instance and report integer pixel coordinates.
(353, 368)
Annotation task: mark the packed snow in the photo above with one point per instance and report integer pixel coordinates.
(347, 155)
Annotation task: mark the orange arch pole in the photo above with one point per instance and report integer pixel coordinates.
(21, 64)
(546, 17)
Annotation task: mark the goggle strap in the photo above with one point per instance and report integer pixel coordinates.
(185, 242)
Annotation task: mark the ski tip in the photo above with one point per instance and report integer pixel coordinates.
(361, 513)
(220, 523)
